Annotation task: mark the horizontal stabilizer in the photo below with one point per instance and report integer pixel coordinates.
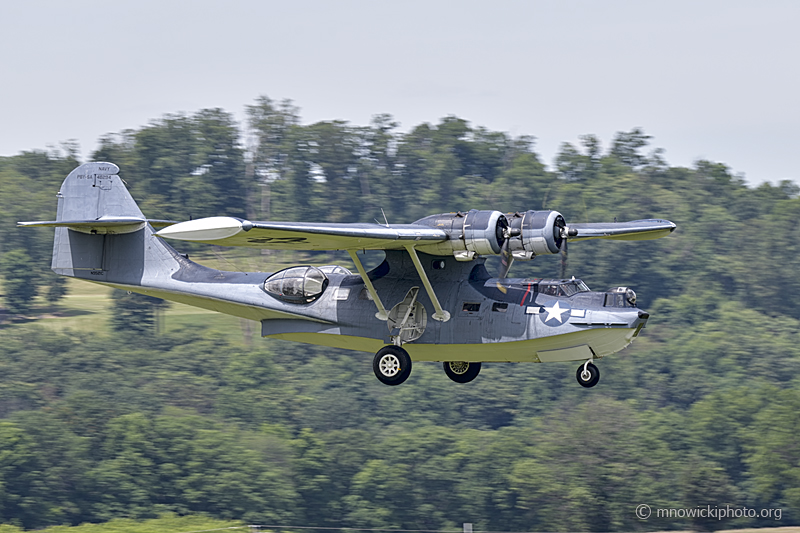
(105, 224)
(637, 230)
(94, 200)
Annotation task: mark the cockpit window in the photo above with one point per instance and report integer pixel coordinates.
(569, 289)
(564, 288)
(574, 287)
(550, 290)
(299, 285)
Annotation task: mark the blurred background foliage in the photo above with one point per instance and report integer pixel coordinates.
(104, 422)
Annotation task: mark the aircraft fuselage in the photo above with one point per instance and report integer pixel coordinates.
(491, 320)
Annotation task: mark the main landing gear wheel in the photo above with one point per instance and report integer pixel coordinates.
(588, 375)
(392, 365)
(460, 371)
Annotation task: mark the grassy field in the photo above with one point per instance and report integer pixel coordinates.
(87, 306)
(169, 524)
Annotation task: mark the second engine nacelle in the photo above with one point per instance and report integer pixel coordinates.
(536, 233)
(470, 234)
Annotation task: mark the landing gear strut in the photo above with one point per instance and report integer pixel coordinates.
(460, 371)
(588, 375)
(392, 365)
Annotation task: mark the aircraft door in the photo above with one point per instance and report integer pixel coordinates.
(467, 309)
(503, 321)
(494, 321)
(517, 313)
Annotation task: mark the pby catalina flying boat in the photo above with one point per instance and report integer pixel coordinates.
(431, 299)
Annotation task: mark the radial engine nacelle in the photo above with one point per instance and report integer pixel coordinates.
(536, 233)
(477, 232)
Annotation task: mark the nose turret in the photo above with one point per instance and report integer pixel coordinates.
(619, 305)
(620, 297)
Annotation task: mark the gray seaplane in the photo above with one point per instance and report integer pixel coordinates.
(431, 299)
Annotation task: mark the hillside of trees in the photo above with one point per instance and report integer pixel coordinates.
(703, 409)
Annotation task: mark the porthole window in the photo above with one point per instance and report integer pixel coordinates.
(297, 285)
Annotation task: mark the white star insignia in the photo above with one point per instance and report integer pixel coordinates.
(555, 312)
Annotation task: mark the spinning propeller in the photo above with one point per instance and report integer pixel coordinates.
(560, 232)
(564, 233)
(506, 257)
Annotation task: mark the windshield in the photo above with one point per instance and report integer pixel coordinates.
(564, 288)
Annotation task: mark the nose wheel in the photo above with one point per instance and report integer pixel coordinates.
(588, 375)
(460, 371)
(392, 365)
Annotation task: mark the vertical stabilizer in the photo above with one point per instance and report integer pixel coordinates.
(101, 234)
(93, 191)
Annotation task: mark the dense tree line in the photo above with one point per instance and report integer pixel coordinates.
(703, 409)
(100, 426)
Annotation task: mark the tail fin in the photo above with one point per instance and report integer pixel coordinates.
(93, 191)
(101, 234)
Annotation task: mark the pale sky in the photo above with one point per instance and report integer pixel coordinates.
(717, 80)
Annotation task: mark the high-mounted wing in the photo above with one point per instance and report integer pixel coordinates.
(637, 230)
(463, 235)
(229, 231)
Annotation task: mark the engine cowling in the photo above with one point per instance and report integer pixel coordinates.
(536, 233)
(484, 231)
(470, 234)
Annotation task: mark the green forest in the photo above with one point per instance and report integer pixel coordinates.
(125, 418)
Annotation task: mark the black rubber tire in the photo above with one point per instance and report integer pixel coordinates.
(473, 369)
(392, 365)
(592, 381)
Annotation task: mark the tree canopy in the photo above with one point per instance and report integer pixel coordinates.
(703, 409)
